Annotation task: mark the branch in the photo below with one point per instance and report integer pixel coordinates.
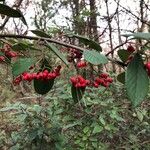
(42, 39)
(53, 41)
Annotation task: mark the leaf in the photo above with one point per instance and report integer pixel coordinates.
(123, 54)
(121, 77)
(138, 35)
(95, 57)
(40, 33)
(92, 44)
(21, 65)
(97, 129)
(19, 47)
(8, 11)
(57, 53)
(77, 93)
(42, 86)
(2, 54)
(137, 82)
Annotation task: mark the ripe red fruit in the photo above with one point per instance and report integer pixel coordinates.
(81, 64)
(110, 80)
(17, 80)
(130, 49)
(95, 84)
(79, 82)
(2, 58)
(147, 65)
(104, 75)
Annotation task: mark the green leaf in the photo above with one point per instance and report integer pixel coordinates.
(42, 86)
(57, 53)
(77, 93)
(138, 35)
(8, 11)
(92, 44)
(19, 47)
(97, 129)
(137, 82)
(121, 77)
(123, 54)
(95, 57)
(2, 54)
(21, 65)
(40, 33)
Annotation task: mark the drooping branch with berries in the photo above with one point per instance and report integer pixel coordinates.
(134, 63)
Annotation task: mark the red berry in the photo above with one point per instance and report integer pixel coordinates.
(110, 80)
(147, 65)
(95, 84)
(130, 49)
(81, 64)
(2, 58)
(104, 75)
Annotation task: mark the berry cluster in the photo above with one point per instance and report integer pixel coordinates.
(79, 82)
(81, 64)
(147, 66)
(103, 80)
(43, 75)
(7, 52)
(73, 54)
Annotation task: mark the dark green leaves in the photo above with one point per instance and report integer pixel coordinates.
(92, 44)
(121, 77)
(6, 10)
(21, 66)
(137, 82)
(77, 93)
(123, 54)
(57, 52)
(94, 57)
(40, 33)
(43, 86)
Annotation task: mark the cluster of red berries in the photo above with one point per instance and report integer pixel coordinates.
(103, 80)
(147, 66)
(81, 64)
(79, 82)
(73, 54)
(7, 52)
(43, 75)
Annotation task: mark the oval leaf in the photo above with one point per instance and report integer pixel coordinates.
(94, 57)
(57, 52)
(121, 77)
(43, 86)
(92, 44)
(123, 54)
(77, 93)
(40, 33)
(138, 35)
(137, 82)
(8, 11)
(21, 65)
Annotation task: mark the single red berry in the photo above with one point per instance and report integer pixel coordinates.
(130, 49)
(147, 65)
(106, 84)
(95, 84)
(2, 58)
(104, 75)
(110, 80)
(81, 64)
